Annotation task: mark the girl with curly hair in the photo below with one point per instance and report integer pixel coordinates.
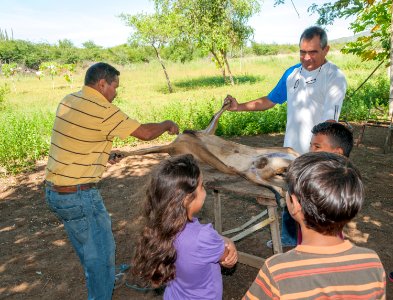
(174, 248)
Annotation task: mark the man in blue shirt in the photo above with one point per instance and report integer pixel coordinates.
(314, 91)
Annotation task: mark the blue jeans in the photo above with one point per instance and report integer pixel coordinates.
(288, 229)
(89, 229)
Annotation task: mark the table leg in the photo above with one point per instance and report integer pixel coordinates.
(275, 230)
(217, 211)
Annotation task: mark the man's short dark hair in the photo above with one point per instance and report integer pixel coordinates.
(312, 31)
(340, 136)
(100, 71)
(328, 187)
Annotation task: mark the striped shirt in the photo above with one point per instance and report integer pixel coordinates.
(86, 124)
(344, 271)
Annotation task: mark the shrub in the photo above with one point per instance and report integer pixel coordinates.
(374, 93)
(24, 138)
(4, 90)
(264, 49)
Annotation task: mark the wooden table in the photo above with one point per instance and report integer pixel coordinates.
(222, 183)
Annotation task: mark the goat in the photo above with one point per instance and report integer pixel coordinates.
(263, 166)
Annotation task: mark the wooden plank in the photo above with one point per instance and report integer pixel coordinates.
(217, 211)
(250, 260)
(252, 220)
(237, 185)
(242, 187)
(252, 229)
(388, 140)
(267, 201)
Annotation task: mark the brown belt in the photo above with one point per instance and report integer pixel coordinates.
(68, 189)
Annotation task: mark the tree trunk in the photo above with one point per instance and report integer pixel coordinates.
(220, 64)
(224, 55)
(163, 67)
(391, 70)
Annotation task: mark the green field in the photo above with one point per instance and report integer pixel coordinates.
(28, 104)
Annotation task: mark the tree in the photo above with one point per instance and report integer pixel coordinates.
(91, 51)
(391, 70)
(215, 26)
(90, 45)
(50, 68)
(4, 35)
(156, 30)
(67, 52)
(373, 17)
(67, 70)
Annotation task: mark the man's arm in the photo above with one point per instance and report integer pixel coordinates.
(263, 103)
(150, 131)
(277, 96)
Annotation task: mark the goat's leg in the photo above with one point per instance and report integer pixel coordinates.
(155, 149)
(212, 127)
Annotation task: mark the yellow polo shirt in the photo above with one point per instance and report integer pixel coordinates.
(85, 126)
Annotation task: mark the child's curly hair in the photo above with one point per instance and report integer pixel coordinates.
(171, 188)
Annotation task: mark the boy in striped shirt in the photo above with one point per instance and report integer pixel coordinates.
(325, 192)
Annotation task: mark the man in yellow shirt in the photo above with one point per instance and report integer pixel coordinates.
(86, 124)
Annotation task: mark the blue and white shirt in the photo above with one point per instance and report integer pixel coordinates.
(312, 97)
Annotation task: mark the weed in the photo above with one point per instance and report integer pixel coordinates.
(4, 90)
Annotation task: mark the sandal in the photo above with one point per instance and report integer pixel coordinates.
(122, 268)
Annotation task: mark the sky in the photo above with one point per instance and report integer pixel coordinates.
(87, 20)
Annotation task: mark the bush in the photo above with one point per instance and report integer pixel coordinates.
(4, 90)
(24, 138)
(374, 93)
(264, 49)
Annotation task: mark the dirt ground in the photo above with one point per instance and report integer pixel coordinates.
(37, 261)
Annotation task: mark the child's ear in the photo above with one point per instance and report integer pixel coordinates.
(338, 150)
(296, 206)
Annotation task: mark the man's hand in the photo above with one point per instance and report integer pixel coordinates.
(150, 131)
(115, 158)
(234, 103)
(173, 128)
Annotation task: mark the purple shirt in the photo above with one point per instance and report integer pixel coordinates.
(198, 274)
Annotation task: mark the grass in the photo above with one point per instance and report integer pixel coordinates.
(28, 104)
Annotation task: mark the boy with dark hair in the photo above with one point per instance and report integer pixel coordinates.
(331, 137)
(327, 136)
(325, 192)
